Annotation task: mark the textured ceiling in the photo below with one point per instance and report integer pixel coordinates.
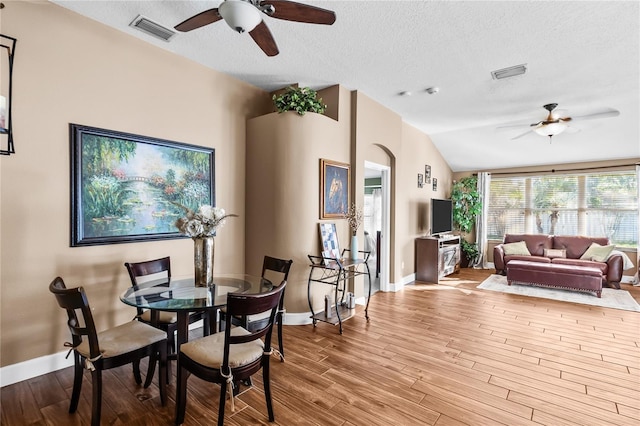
(583, 55)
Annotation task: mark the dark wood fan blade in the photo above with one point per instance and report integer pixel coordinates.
(263, 38)
(298, 12)
(200, 20)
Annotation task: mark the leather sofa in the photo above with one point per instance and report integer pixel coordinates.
(574, 246)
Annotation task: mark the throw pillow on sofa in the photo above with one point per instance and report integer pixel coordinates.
(597, 253)
(516, 249)
(554, 253)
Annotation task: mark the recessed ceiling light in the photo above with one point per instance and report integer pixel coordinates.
(509, 72)
(405, 93)
(432, 90)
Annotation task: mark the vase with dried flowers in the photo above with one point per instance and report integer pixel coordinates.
(201, 226)
(354, 217)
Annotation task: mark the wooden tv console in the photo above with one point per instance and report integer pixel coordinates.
(437, 257)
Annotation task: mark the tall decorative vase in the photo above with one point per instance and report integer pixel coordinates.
(354, 247)
(203, 250)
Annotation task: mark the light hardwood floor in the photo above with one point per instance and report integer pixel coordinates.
(446, 354)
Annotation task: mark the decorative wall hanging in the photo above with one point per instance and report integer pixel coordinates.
(435, 184)
(334, 189)
(124, 186)
(8, 45)
(420, 181)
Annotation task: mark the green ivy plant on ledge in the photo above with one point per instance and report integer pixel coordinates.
(300, 100)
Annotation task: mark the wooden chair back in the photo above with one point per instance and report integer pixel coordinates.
(251, 304)
(279, 266)
(137, 270)
(80, 320)
(149, 267)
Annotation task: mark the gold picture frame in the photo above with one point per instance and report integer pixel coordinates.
(335, 178)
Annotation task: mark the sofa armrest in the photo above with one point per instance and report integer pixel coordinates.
(498, 259)
(615, 268)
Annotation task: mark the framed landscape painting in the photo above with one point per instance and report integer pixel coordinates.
(334, 189)
(129, 188)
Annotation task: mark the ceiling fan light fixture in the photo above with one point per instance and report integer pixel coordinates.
(240, 15)
(509, 72)
(551, 129)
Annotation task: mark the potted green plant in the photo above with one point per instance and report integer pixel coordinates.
(471, 253)
(300, 100)
(466, 207)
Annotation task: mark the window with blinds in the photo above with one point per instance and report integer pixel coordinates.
(597, 205)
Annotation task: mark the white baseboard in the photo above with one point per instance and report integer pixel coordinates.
(627, 279)
(395, 287)
(15, 373)
(301, 318)
(35, 367)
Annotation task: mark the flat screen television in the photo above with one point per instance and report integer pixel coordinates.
(441, 216)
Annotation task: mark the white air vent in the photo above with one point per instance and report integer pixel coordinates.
(509, 72)
(152, 28)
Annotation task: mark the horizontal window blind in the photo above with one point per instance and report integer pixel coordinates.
(597, 204)
(506, 207)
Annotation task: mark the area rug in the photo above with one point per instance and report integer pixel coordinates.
(611, 298)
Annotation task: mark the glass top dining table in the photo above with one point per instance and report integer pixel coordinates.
(180, 295)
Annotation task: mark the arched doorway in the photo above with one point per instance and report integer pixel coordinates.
(377, 222)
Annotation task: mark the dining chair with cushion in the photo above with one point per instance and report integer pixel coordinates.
(141, 272)
(233, 356)
(114, 347)
(275, 270)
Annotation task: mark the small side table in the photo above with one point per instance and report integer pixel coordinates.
(337, 273)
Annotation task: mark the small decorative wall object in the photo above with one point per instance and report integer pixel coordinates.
(124, 187)
(329, 241)
(427, 172)
(435, 184)
(7, 44)
(334, 189)
(420, 181)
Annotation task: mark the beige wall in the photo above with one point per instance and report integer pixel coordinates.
(418, 151)
(382, 137)
(283, 200)
(69, 69)
(283, 154)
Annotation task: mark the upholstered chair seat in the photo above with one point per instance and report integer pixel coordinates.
(209, 351)
(97, 351)
(231, 357)
(275, 270)
(123, 339)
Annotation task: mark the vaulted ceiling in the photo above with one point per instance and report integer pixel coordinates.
(583, 55)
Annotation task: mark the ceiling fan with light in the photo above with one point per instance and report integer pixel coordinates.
(246, 16)
(557, 121)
